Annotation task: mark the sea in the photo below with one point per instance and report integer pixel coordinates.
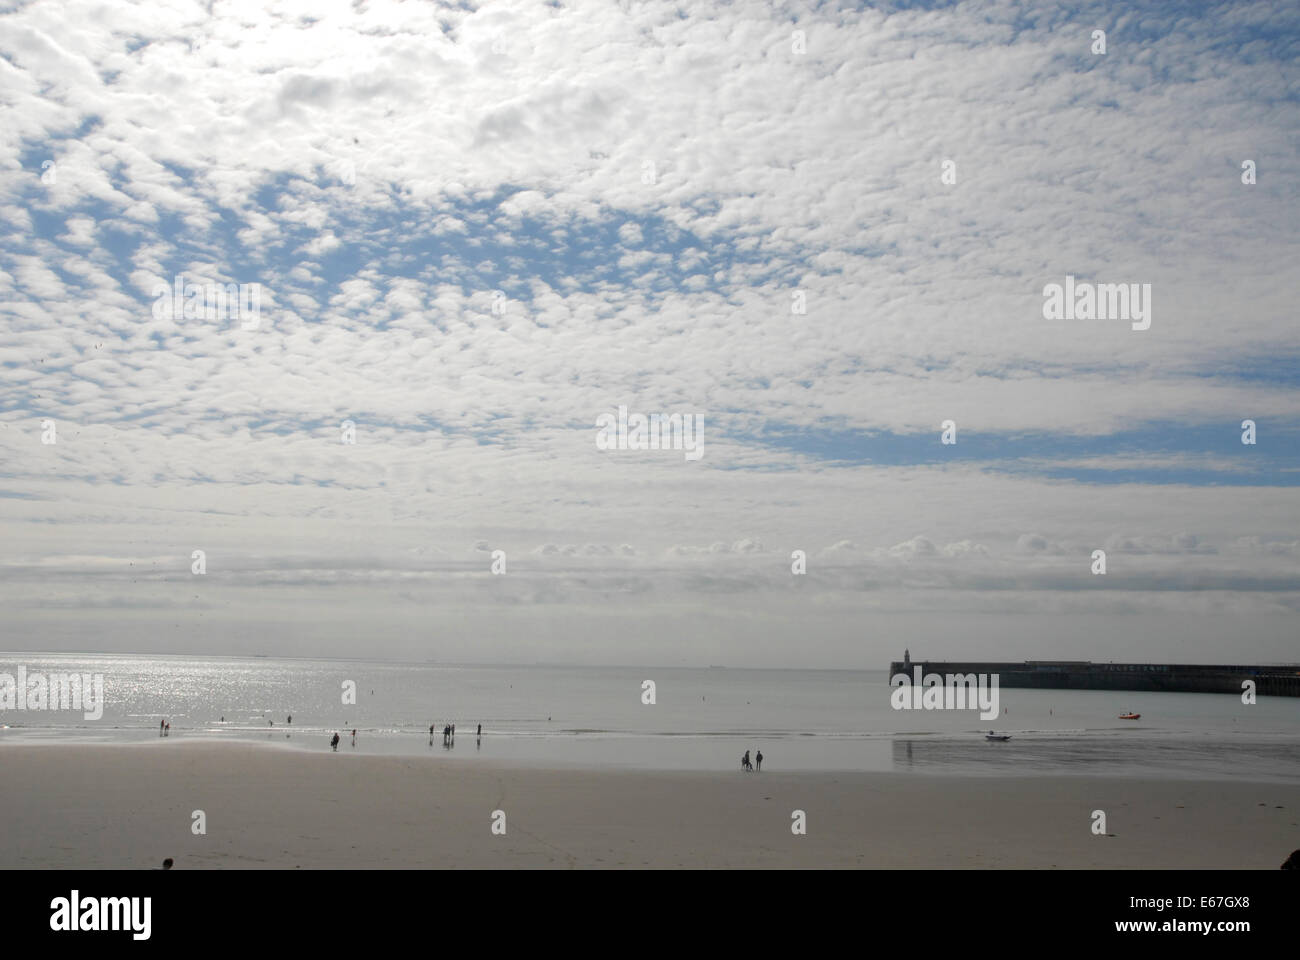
(664, 718)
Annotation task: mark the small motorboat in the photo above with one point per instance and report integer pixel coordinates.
(1130, 716)
(999, 737)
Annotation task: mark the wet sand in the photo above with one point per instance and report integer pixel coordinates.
(72, 805)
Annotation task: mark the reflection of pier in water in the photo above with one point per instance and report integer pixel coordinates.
(940, 754)
(1027, 756)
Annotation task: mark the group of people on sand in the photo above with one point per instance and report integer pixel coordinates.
(334, 740)
(758, 759)
(449, 734)
(164, 728)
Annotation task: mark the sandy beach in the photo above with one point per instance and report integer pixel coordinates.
(67, 805)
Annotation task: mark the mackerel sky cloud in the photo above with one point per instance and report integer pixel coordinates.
(476, 230)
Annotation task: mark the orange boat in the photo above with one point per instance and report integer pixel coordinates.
(1130, 716)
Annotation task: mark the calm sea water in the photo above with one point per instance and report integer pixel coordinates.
(701, 719)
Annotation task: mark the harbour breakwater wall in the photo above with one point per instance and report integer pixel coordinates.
(1270, 681)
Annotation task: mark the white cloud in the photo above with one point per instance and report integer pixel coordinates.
(770, 172)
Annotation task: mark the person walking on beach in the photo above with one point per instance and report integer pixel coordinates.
(744, 762)
(354, 738)
(289, 719)
(334, 743)
(167, 730)
(758, 760)
(161, 726)
(480, 729)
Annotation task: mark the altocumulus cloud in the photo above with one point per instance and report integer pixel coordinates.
(477, 230)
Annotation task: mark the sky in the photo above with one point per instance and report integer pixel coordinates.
(821, 230)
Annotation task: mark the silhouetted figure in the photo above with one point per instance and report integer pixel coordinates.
(334, 743)
(167, 864)
(354, 738)
(744, 762)
(162, 725)
(167, 730)
(480, 729)
(758, 760)
(289, 719)
(1293, 861)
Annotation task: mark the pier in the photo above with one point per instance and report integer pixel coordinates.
(1270, 681)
